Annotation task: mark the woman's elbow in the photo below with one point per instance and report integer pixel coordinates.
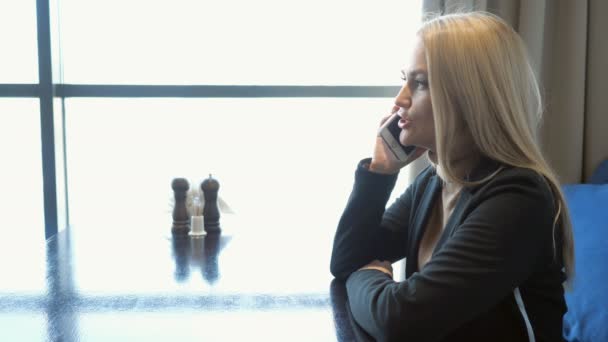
(339, 270)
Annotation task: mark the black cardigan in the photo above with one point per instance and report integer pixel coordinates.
(496, 248)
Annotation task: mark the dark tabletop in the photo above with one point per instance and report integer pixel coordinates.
(239, 285)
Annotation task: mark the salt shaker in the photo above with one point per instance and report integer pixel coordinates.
(211, 211)
(196, 226)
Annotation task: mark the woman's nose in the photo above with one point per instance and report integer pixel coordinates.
(403, 99)
(402, 102)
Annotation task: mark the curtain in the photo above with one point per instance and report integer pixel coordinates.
(566, 42)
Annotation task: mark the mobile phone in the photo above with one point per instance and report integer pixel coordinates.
(389, 132)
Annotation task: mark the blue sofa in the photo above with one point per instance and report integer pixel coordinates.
(587, 316)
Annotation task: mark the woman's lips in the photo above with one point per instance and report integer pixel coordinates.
(404, 123)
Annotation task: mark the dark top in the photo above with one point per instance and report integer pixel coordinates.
(496, 245)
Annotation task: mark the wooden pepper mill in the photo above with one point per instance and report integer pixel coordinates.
(211, 212)
(181, 219)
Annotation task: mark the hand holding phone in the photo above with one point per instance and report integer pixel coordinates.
(389, 132)
(389, 154)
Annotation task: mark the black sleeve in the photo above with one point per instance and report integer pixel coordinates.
(495, 249)
(365, 231)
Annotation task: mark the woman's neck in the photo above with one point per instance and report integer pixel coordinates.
(461, 167)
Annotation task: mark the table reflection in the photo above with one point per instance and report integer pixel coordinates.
(61, 302)
(162, 288)
(201, 253)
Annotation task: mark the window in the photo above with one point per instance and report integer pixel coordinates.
(285, 157)
(265, 42)
(279, 156)
(19, 63)
(276, 150)
(21, 206)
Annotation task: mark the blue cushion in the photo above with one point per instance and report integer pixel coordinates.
(587, 316)
(600, 176)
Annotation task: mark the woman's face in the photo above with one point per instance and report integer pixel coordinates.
(414, 102)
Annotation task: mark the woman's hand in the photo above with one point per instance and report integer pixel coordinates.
(383, 160)
(382, 266)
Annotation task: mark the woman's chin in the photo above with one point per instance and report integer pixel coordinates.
(406, 139)
(406, 142)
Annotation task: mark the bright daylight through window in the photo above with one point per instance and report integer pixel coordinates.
(283, 155)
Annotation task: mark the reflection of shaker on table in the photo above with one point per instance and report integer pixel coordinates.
(211, 212)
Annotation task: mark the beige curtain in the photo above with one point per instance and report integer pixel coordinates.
(567, 41)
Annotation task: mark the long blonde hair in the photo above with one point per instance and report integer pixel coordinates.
(481, 81)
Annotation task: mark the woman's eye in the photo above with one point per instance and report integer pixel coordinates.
(422, 84)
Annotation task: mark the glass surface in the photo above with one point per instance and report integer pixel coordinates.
(266, 42)
(27, 326)
(21, 206)
(19, 59)
(62, 214)
(193, 325)
(275, 159)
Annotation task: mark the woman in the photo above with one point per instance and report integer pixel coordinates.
(485, 229)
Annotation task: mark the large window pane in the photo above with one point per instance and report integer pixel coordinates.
(267, 42)
(21, 206)
(18, 60)
(276, 159)
(28, 326)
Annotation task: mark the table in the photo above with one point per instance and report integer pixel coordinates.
(130, 287)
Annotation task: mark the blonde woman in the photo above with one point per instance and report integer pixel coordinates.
(485, 229)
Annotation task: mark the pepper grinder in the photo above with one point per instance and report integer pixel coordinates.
(211, 211)
(181, 220)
